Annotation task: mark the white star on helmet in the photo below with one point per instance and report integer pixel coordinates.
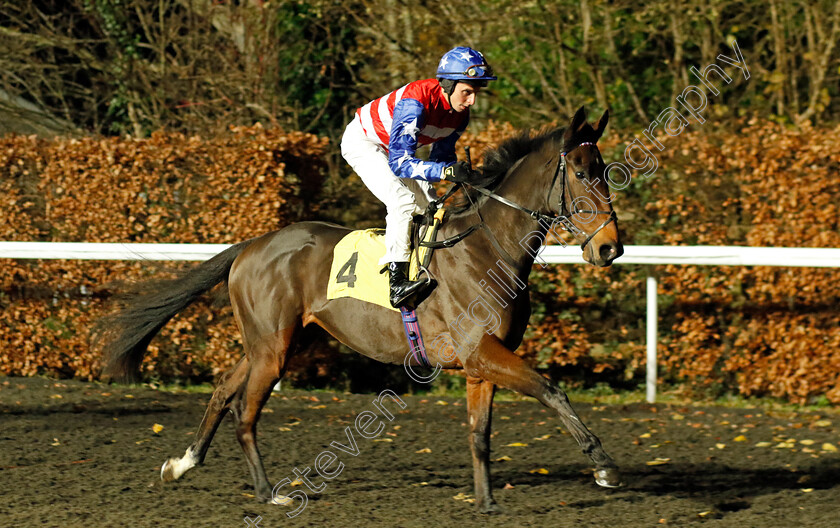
(466, 55)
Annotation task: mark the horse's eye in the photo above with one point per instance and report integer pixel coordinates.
(579, 174)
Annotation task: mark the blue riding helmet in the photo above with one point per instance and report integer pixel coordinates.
(464, 64)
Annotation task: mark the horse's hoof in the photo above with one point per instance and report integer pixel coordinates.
(167, 474)
(172, 469)
(489, 508)
(608, 477)
(281, 500)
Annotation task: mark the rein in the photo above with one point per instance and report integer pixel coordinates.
(564, 213)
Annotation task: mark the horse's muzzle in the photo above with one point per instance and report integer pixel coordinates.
(606, 253)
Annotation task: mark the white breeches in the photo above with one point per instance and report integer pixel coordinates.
(370, 162)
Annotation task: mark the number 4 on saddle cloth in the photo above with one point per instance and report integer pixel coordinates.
(356, 273)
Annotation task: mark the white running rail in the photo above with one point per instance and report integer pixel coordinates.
(651, 255)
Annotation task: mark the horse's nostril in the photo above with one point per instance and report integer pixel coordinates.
(608, 252)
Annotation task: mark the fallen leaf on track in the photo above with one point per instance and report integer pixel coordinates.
(829, 447)
(516, 444)
(464, 497)
(658, 461)
(424, 450)
(763, 444)
(157, 428)
(740, 438)
(541, 471)
(503, 459)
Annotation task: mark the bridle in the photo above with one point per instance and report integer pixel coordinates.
(564, 214)
(564, 209)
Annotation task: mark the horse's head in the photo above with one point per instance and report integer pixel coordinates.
(579, 192)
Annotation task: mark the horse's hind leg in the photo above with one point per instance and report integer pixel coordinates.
(268, 364)
(479, 407)
(495, 363)
(216, 409)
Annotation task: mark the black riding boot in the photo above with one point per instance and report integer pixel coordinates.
(405, 292)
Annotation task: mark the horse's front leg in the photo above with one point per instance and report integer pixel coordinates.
(493, 362)
(480, 407)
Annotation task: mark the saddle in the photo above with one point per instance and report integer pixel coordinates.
(355, 270)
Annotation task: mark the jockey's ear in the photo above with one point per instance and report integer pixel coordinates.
(601, 124)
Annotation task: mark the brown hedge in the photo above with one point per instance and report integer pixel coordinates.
(168, 188)
(757, 330)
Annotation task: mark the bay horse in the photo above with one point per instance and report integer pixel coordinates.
(277, 285)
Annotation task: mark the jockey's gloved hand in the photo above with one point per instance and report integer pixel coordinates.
(461, 172)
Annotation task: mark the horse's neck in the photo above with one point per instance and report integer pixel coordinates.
(516, 232)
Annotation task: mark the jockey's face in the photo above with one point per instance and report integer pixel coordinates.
(463, 96)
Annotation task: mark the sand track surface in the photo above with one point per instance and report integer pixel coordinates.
(87, 454)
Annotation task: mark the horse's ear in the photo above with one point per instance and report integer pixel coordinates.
(602, 124)
(577, 121)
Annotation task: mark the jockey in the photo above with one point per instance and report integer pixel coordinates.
(380, 145)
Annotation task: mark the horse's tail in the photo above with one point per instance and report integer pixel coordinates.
(126, 334)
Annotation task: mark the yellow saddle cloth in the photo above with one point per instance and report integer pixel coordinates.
(355, 270)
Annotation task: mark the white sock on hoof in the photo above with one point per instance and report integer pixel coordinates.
(282, 500)
(175, 467)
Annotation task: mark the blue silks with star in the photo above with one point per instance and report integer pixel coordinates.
(409, 119)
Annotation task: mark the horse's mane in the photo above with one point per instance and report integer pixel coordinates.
(498, 161)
